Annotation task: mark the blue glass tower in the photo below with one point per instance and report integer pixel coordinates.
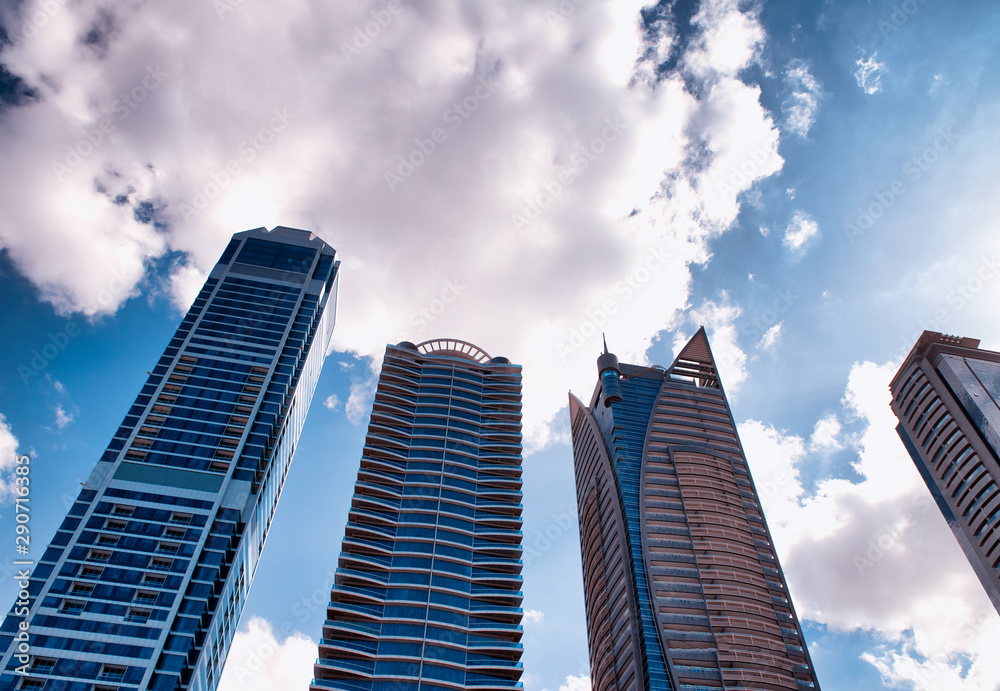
(428, 589)
(143, 584)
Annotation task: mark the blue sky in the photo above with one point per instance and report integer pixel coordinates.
(813, 182)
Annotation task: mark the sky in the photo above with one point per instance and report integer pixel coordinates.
(814, 182)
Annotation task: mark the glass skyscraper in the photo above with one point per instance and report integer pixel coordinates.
(143, 584)
(946, 396)
(428, 588)
(682, 586)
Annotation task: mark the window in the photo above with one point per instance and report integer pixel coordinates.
(154, 580)
(82, 589)
(160, 564)
(115, 524)
(174, 533)
(91, 572)
(180, 518)
(145, 597)
(99, 555)
(27, 683)
(43, 665)
(123, 510)
(139, 616)
(167, 548)
(112, 673)
(107, 540)
(72, 606)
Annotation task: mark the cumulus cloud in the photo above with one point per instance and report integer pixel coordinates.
(258, 661)
(800, 230)
(360, 398)
(332, 402)
(856, 554)
(534, 616)
(825, 433)
(770, 337)
(8, 459)
(62, 417)
(803, 98)
(579, 683)
(868, 73)
(547, 166)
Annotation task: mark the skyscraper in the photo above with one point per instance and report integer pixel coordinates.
(144, 582)
(428, 587)
(682, 586)
(946, 397)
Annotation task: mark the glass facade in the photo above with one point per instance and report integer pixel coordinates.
(946, 397)
(144, 582)
(428, 586)
(682, 586)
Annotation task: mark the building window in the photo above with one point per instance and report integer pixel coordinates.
(115, 524)
(102, 556)
(181, 518)
(27, 683)
(91, 572)
(72, 606)
(107, 540)
(174, 533)
(82, 589)
(112, 673)
(123, 510)
(145, 597)
(167, 548)
(160, 564)
(154, 580)
(138, 616)
(43, 665)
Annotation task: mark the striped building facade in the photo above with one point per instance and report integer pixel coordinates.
(143, 584)
(682, 586)
(946, 396)
(427, 595)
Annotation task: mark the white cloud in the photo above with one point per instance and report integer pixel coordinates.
(62, 417)
(825, 433)
(856, 554)
(868, 73)
(802, 102)
(258, 661)
(580, 683)
(291, 141)
(770, 337)
(8, 459)
(359, 400)
(534, 616)
(332, 402)
(800, 230)
(185, 284)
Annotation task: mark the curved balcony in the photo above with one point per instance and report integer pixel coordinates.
(336, 664)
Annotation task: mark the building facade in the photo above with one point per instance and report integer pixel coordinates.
(427, 593)
(946, 396)
(682, 586)
(144, 582)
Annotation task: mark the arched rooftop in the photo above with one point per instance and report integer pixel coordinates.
(453, 347)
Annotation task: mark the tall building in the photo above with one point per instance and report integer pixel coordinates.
(682, 587)
(143, 584)
(946, 396)
(428, 587)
